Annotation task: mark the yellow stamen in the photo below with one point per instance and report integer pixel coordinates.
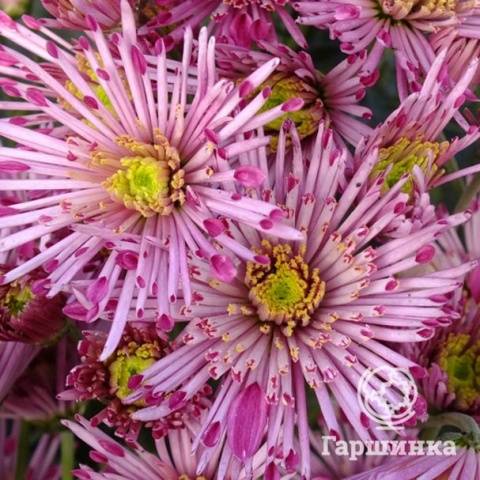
(402, 156)
(460, 359)
(286, 291)
(16, 298)
(149, 180)
(130, 360)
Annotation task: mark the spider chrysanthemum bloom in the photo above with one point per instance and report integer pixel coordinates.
(403, 26)
(333, 97)
(174, 457)
(410, 142)
(110, 381)
(318, 311)
(139, 162)
(26, 313)
(452, 356)
(461, 48)
(239, 22)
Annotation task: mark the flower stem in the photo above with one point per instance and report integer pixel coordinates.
(22, 451)
(67, 449)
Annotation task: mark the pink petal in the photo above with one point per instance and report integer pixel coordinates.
(223, 268)
(246, 422)
(249, 176)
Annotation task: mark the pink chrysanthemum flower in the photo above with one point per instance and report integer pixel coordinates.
(317, 311)
(175, 458)
(135, 173)
(110, 381)
(239, 22)
(43, 462)
(409, 142)
(463, 465)
(333, 97)
(402, 26)
(452, 356)
(26, 313)
(461, 49)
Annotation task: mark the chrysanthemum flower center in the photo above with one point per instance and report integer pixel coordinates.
(286, 87)
(150, 179)
(286, 291)
(460, 359)
(400, 159)
(17, 298)
(130, 360)
(399, 9)
(266, 4)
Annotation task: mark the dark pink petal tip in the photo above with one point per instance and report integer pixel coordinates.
(134, 381)
(293, 105)
(165, 323)
(214, 226)
(425, 254)
(212, 434)
(223, 268)
(112, 448)
(245, 89)
(176, 400)
(249, 176)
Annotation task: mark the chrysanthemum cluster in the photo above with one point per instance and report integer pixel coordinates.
(234, 247)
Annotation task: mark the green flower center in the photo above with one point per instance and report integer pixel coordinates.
(400, 159)
(460, 359)
(286, 291)
(17, 299)
(150, 180)
(285, 88)
(130, 361)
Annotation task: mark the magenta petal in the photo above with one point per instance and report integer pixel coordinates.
(271, 472)
(112, 448)
(249, 176)
(425, 254)
(223, 268)
(127, 259)
(13, 166)
(212, 434)
(473, 283)
(165, 323)
(247, 419)
(97, 290)
(76, 311)
(176, 400)
(214, 226)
